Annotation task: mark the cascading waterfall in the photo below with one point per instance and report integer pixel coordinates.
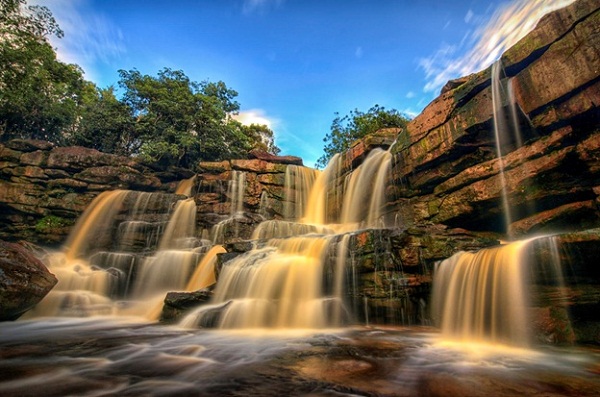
(298, 183)
(281, 283)
(481, 296)
(278, 286)
(235, 197)
(106, 262)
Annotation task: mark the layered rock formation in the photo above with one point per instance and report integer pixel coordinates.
(447, 169)
(44, 188)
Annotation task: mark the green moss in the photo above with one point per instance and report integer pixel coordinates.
(49, 222)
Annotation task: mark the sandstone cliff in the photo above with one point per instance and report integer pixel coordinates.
(44, 188)
(446, 165)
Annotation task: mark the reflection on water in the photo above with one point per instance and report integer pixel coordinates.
(108, 356)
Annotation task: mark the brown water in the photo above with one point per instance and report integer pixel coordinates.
(109, 357)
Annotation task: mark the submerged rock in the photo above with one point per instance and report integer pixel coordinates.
(24, 280)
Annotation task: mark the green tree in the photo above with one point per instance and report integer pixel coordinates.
(355, 125)
(105, 123)
(261, 138)
(39, 95)
(180, 122)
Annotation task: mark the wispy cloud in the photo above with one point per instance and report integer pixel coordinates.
(486, 42)
(89, 40)
(260, 6)
(358, 53)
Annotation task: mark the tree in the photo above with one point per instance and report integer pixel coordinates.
(261, 137)
(39, 95)
(105, 123)
(180, 122)
(347, 129)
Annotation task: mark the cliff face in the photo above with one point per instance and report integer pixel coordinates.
(446, 163)
(44, 189)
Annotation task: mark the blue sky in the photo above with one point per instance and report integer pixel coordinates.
(295, 63)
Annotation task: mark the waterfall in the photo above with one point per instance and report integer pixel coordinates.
(278, 286)
(317, 209)
(480, 296)
(507, 131)
(295, 278)
(235, 197)
(181, 227)
(237, 187)
(107, 255)
(96, 220)
(185, 187)
(365, 194)
(298, 183)
(484, 296)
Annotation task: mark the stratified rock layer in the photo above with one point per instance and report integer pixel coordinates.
(446, 167)
(44, 189)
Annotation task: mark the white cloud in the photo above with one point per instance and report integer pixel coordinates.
(261, 6)
(410, 94)
(486, 43)
(89, 40)
(410, 112)
(256, 116)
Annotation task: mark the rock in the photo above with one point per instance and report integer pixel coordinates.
(177, 304)
(39, 181)
(29, 145)
(445, 161)
(271, 158)
(565, 304)
(453, 84)
(24, 280)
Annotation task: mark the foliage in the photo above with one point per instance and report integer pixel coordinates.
(105, 123)
(166, 119)
(39, 95)
(50, 222)
(355, 125)
(180, 122)
(261, 137)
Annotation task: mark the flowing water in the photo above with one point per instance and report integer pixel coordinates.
(110, 356)
(284, 326)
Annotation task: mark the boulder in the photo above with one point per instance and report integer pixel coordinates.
(24, 280)
(271, 158)
(177, 304)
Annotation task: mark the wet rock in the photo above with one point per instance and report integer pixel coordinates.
(24, 280)
(177, 304)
